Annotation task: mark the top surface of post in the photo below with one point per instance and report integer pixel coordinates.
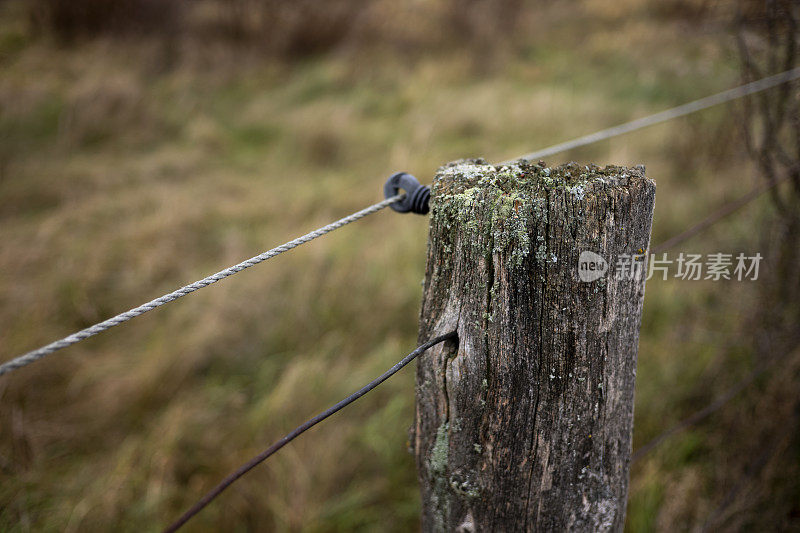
(519, 192)
(460, 181)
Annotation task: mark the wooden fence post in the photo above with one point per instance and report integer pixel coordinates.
(525, 422)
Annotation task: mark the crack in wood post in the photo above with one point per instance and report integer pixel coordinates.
(526, 423)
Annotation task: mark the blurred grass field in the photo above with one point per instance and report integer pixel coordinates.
(129, 167)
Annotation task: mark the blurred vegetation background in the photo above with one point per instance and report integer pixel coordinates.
(147, 143)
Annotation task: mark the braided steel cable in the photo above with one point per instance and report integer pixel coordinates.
(663, 116)
(44, 351)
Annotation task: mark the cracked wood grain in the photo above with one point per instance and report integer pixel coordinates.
(524, 423)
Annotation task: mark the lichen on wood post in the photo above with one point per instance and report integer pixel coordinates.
(525, 422)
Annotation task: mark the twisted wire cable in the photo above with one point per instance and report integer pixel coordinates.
(44, 351)
(663, 116)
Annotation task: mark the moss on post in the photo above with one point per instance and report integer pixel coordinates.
(526, 423)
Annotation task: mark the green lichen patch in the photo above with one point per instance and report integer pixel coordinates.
(438, 459)
(437, 469)
(516, 196)
(468, 177)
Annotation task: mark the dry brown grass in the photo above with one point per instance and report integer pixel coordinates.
(130, 167)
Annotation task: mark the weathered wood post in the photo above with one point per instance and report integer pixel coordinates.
(525, 422)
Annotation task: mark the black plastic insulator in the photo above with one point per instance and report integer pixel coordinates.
(417, 195)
